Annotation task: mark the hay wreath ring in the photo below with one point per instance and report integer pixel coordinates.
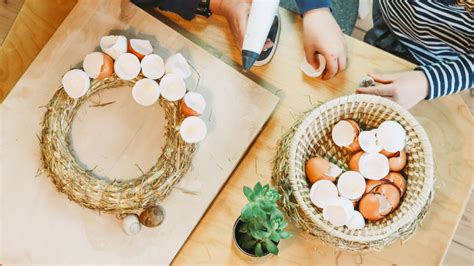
(311, 135)
(114, 196)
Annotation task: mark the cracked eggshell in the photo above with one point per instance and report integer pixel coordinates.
(114, 45)
(398, 161)
(173, 87)
(140, 48)
(98, 65)
(146, 92)
(356, 222)
(153, 66)
(193, 104)
(309, 70)
(131, 225)
(371, 184)
(322, 192)
(127, 66)
(193, 129)
(351, 185)
(368, 141)
(345, 134)
(373, 166)
(76, 83)
(354, 161)
(177, 64)
(398, 180)
(319, 168)
(372, 205)
(391, 192)
(391, 136)
(338, 211)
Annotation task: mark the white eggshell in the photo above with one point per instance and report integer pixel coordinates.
(343, 133)
(193, 129)
(333, 170)
(127, 66)
(351, 185)
(146, 92)
(93, 64)
(173, 87)
(153, 66)
(195, 101)
(131, 225)
(356, 222)
(76, 83)
(309, 70)
(322, 192)
(142, 47)
(374, 166)
(179, 65)
(114, 45)
(368, 141)
(338, 211)
(391, 136)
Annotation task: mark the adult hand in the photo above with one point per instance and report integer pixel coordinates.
(236, 13)
(322, 35)
(406, 88)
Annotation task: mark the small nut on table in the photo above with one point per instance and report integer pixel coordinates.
(153, 216)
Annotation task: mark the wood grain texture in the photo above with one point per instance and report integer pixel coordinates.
(42, 225)
(447, 121)
(8, 11)
(33, 27)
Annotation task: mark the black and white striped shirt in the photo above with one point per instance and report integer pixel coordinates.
(440, 37)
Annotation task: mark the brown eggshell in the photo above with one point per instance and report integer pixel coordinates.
(371, 184)
(316, 168)
(387, 153)
(398, 180)
(398, 161)
(187, 111)
(369, 207)
(354, 147)
(391, 192)
(354, 125)
(152, 216)
(354, 161)
(107, 68)
(133, 51)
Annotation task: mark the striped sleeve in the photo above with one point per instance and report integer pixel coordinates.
(447, 77)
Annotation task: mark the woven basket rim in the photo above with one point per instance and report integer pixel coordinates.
(429, 167)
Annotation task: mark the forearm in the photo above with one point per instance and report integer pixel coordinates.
(449, 77)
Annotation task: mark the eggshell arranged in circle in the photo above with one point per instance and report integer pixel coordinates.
(153, 66)
(193, 103)
(319, 168)
(146, 92)
(351, 185)
(114, 45)
(173, 87)
(131, 225)
(98, 65)
(373, 166)
(391, 136)
(309, 70)
(140, 48)
(356, 222)
(127, 66)
(177, 64)
(76, 83)
(193, 129)
(322, 192)
(338, 211)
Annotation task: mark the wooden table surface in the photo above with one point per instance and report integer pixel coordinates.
(448, 122)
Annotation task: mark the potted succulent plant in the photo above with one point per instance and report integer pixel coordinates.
(259, 229)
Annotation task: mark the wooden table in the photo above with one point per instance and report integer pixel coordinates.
(448, 122)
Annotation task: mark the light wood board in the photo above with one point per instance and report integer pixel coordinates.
(447, 121)
(39, 224)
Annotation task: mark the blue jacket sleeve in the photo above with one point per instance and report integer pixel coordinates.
(306, 5)
(184, 8)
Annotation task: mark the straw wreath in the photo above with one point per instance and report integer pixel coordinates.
(311, 136)
(109, 195)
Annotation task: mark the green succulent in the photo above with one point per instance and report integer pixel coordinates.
(262, 223)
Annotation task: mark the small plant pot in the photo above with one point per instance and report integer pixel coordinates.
(236, 234)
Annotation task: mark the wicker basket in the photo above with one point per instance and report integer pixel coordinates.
(311, 136)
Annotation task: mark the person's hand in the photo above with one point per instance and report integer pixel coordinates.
(236, 13)
(406, 88)
(322, 35)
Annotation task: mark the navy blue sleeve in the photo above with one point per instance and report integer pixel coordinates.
(184, 8)
(306, 5)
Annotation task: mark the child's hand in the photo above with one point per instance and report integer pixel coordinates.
(406, 88)
(322, 35)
